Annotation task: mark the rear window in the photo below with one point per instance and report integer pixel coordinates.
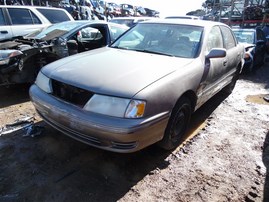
(54, 16)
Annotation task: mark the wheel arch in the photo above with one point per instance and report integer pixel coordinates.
(178, 121)
(189, 95)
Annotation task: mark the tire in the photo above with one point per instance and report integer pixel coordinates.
(177, 125)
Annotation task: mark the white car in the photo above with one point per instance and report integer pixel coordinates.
(21, 20)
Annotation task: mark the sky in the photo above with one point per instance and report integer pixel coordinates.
(166, 7)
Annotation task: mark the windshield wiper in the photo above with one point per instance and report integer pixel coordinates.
(154, 52)
(118, 47)
(144, 51)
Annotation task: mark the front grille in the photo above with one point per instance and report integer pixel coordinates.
(71, 94)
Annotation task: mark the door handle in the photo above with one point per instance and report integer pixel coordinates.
(224, 63)
(4, 32)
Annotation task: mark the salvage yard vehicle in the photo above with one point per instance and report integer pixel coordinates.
(21, 59)
(19, 20)
(254, 41)
(108, 99)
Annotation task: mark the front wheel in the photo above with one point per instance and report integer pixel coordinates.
(177, 125)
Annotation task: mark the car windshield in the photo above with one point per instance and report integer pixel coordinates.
(245, 36)
(165, 39)
(56, 29)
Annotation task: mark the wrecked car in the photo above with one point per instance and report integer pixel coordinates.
(254, 41)
(22, 58)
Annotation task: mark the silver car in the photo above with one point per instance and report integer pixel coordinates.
(143, 88)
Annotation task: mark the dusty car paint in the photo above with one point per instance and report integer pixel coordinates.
(171, 86)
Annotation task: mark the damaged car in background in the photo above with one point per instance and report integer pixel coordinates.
(119, 104)
(22, 58)
(254, 41)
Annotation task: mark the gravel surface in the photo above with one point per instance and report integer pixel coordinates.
(225, 156)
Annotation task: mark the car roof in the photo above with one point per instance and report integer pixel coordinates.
(22, 6)
(201, 23)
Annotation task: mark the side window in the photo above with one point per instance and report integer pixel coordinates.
(54, 16)
(22, 16)
(115, 32)
(229, 40)
(90, 34)
(214, 39)
(2, 18)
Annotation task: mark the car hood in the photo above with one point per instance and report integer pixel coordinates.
(113, 71)
(45, 37)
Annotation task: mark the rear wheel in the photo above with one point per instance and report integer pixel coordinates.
(177, 125)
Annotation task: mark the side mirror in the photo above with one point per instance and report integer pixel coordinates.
(216, 53)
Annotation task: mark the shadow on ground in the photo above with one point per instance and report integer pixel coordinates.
(259, 76)
(14, 94)
(54, 167)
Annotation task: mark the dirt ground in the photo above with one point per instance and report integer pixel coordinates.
(225, 156)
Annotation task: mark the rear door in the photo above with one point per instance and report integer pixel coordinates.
(233, 54)
(23, 21)
(213, 67)
(5, 28)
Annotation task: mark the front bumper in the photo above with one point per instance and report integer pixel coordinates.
(108, 133)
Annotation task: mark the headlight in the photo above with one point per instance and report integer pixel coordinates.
(43, 82)
(6, 55)
(114, 106)
(4, 61)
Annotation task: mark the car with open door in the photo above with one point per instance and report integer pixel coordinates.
(22, 58)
